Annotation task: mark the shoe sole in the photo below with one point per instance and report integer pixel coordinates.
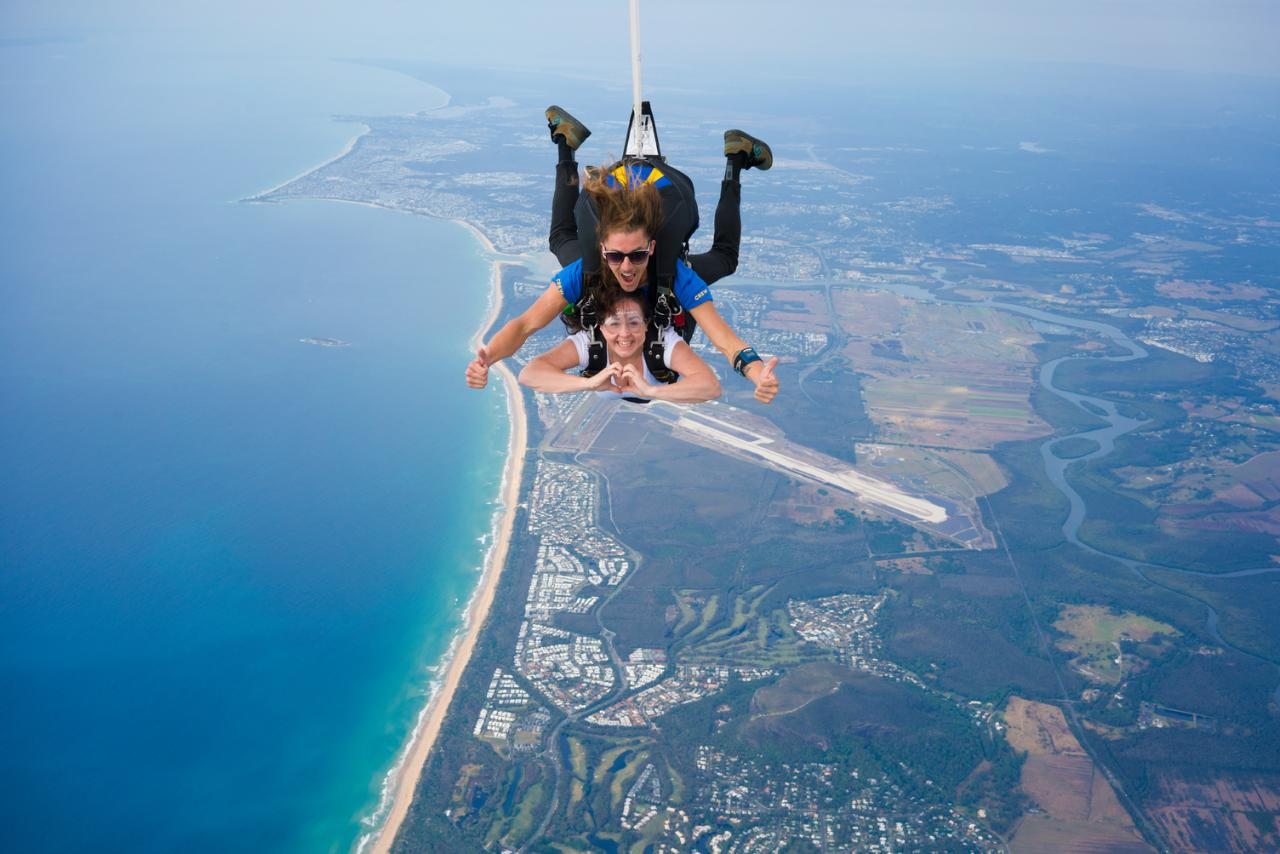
(564, 124)
(760, 153)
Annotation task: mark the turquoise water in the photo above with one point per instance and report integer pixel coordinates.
(227, 558)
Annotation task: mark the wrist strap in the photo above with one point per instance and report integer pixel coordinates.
(745, 356)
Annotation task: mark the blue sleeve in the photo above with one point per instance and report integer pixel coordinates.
(569, 281)
(689, 287)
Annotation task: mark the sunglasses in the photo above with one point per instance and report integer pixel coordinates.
(636, 256)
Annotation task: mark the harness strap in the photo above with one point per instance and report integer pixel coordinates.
(590, 319)
(663, 318)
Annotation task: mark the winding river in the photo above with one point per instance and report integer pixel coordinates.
(1117, 425)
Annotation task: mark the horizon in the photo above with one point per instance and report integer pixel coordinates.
(1234, 38)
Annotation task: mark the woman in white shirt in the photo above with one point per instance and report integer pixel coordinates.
(625, 374)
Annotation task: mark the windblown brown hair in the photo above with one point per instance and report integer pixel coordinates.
(617, 209)
(623, 208)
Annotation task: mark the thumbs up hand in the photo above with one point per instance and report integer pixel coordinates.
(763, 377)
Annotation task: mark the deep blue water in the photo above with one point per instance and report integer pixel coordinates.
(227, 558)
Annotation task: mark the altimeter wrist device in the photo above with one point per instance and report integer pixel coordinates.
(745, 356)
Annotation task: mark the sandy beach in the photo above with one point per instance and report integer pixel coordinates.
(405, 776)
(257, 197)
(424, 737)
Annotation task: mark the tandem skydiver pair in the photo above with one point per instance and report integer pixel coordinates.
(632, 306)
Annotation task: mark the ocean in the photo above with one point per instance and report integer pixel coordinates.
(229, 559)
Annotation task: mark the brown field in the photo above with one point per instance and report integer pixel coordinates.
(1238, 503)
(1108, 732)
(1182, 289)
(798, 311)
(1214, 811)
(1234, 321)
(809, 302)
(806, 504)
(959, 376)
(1038, 834)
(1089, 346)
(1081, 811)
(1260, 522)
(1039, 729)
(1261, 474)
(1254, 419)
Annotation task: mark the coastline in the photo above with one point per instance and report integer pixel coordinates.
(424, 736)
(402, 779)
(259, 197)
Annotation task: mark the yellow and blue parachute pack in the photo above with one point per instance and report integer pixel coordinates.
(679, 215)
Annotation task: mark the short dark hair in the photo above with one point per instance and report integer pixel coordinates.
(605, 298)
(609, 298)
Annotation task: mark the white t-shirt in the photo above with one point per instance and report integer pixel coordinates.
(582, 340)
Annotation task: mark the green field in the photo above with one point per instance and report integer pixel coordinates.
(1100, 639)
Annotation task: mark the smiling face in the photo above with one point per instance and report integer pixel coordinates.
(623, 329)
(629, 273)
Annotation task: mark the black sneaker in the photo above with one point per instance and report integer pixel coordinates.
(564, 125)
(757, 151)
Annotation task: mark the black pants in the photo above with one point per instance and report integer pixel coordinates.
(720, 261)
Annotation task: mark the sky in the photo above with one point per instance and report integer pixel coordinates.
(743, 38)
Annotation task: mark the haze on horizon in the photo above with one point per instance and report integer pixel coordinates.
(713, 38)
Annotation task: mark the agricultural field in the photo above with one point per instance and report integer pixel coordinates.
(952, 409)
(1077, 806)
(957, 376)
(798, 310)
(1240, 497)
(1228, 812)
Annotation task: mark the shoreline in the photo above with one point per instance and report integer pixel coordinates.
(402, 779)
(260, 197)
(425, 733)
